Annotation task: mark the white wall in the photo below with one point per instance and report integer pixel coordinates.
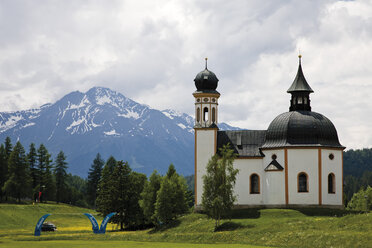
(332, 166)
(303, 160)
(274, 181)
(247, 167)
(205, 150)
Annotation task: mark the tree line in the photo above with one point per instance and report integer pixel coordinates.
(34, 176)
(138, 201)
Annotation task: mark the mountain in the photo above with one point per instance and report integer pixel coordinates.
(105, 121)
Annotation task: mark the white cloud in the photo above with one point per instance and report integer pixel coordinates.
(151, 51)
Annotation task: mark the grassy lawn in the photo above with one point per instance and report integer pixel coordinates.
(265, 227)
(114, 244)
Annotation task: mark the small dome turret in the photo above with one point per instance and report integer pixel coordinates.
(206, 81)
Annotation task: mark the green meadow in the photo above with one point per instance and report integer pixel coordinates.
(245, 228)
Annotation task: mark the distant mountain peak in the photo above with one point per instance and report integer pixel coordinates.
(105, 121)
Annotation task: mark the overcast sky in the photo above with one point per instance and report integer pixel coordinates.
(150, 51)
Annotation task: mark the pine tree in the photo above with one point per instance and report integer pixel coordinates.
(45, 178)
(8, 150)
(171, 200)
(148, 196)
(8, 147)
(94, 176)
(104, 199)
(219, 181)
(18, 184)
(3, 170)
(32, 159)
(119, 194)
(60, 175)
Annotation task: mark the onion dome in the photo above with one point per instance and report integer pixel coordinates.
(206, 81)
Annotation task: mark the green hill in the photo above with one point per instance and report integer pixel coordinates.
(266, 227)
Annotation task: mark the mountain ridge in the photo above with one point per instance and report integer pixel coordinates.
(105, 121)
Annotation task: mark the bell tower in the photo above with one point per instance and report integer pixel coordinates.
(206, 121)
(206, 99)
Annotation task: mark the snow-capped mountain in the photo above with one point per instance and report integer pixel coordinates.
(104, 121)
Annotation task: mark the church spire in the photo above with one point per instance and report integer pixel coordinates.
(300, 91)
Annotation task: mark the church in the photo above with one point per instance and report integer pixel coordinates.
(296, 162)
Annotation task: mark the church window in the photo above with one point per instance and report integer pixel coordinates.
(302, 182)
(205, 115)
(213, 115)
(331, 183)
(300, 100)
(294, 100)
(305, 100)
(254, 184)
(273, 157)
(331, 156)
(198, 114)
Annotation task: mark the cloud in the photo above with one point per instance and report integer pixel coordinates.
(151, 51)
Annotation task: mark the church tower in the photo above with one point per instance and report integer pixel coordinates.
(206, 121)
(206, 99)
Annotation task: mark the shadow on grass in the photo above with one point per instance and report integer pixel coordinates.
(326, 212)
(250, 213)
(164, 227)
(231, 226)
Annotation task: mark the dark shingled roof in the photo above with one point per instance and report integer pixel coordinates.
(300, 84)
(301, 128)
(246, 143)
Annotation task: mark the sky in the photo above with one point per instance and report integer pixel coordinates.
(151, 51)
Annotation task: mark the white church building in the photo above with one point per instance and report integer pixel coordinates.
(297, 161)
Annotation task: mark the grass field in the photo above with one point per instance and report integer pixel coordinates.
(247, 228)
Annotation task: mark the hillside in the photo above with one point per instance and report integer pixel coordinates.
(356, 162)
(266, 227)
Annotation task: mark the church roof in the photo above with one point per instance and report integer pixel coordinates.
(301, 128)
(246, 143)
(300, 84)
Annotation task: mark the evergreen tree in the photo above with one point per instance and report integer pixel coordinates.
(32, 159)
(219, 181)
(45, 177)
(171, 200)
(148, 196)
(94, 176)
(119, 194)
(8, 150)
(135, 216)
(105, 186)
(18, 184)
(60, 175)
(8, 147)
(3, 170)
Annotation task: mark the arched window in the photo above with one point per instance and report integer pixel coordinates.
(205, 115)
(254, 184)
(302, 182)
(213, 115)
(331, 183)
(198, 114)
